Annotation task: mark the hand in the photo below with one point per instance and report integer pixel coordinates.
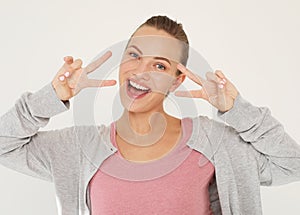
(71, 78)
(217, 89)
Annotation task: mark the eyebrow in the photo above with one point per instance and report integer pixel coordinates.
(162, 58)
(158, 58)
(133, 46)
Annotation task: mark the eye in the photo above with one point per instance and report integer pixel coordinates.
(134, 55)
(160, 66)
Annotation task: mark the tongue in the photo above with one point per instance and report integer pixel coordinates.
(136, 92)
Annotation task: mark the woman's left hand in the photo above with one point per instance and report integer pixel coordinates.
(217, 89)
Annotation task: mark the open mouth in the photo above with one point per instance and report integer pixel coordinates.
(136, 90)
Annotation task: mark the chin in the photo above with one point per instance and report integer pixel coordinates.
(135, 107)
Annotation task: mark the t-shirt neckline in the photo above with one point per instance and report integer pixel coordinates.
(184, 137)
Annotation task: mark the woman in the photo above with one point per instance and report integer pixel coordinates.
(147, 161)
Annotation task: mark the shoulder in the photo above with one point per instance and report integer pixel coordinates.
(217, 132)
(211, 126)
(90, 132)
(224, 142)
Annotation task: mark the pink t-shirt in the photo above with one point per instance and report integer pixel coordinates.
(175, 184)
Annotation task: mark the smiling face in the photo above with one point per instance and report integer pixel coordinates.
(148, 69)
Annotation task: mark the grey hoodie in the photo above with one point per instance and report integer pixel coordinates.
(249, 149)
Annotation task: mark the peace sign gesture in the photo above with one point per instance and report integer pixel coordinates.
(71, 78)
(217, 89)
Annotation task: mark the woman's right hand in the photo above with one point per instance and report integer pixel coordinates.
(71, 78)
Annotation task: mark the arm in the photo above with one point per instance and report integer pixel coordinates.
(22, 147)
(34, 153)
(277, 153)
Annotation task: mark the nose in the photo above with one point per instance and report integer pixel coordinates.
(142, 69)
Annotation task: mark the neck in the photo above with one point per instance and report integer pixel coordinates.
(142, 123)
(145, 128)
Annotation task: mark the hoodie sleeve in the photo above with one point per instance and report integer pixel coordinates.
(277, 153)
(22, 147)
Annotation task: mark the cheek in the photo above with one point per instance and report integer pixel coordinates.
(129, 64)
(126, 67)
(162, 82)
(161, 87)
(123, 72)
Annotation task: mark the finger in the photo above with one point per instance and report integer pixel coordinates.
(212, 77)
(94, 65)
(191, 94)
(69, 69)
(221, 94)
(100, 83)
(221, 87)
(75, 65)
(63, 72)
(62, 80)
(68, 59)
(221, 82)
(220, 74)
(189, 74)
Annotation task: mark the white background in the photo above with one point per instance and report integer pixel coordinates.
(255, 43)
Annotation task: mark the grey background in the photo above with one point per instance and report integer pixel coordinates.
(255, 43)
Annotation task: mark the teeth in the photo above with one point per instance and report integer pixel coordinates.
(137, 86)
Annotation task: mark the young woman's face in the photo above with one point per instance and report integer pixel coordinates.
(148, 69)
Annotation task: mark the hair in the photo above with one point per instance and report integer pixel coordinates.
(173, 28)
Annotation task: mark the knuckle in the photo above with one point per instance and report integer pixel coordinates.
(77, 63)
(69, 68)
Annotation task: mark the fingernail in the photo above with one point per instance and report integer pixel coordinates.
(224, 80)
(220, 86)
(62, 78)
(67, 74)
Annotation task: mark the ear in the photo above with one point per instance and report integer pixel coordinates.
(179, 79)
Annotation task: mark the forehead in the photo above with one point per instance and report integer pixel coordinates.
(150, 30)
(158, 46)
